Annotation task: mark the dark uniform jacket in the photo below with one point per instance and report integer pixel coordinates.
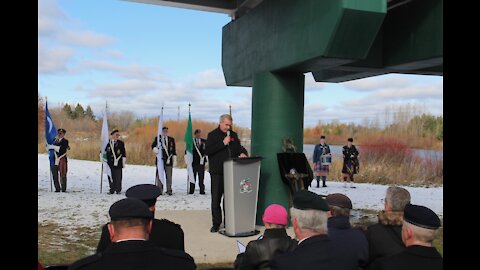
(171, 150)
(259, 252)
(63, 146)
(385, 237)
(412, 258)
(218, 152)
(350, 159)
(319, 151)
(201, 149)
(138, 255)
(350, 246)
(312, 253)
(119, 149)
(165, 234)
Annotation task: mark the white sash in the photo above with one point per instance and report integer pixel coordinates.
(166, 149)
(57, 158)
(115, 159)
(198, 151)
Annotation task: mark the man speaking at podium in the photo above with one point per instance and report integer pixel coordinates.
(222, 144)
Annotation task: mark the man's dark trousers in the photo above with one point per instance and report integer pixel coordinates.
(217, 193)
(200, 170)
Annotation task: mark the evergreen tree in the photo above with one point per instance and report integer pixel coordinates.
(68, 110)
(89, 113)
(79, 111)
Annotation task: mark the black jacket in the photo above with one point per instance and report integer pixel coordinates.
(138, 255)
(312, 253)
(119, 149)
(385, 237)
(201, 149)
(412, 258)
(165, 234)
(171, 148)
(259, 252)
(350, 245)
(218, 152)
(63, 143)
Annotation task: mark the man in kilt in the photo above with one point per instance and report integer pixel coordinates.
(350, 162)
(320, 165)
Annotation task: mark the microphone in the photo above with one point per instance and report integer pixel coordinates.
(228, 145)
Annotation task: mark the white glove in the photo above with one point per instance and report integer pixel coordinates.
(155, 150)
(351, 156)
(124, 159)
(174, 161)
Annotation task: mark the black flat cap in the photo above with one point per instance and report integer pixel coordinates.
(165, 128)
(305, 200)
(113, 131)
(350, 139)
(322, 137)
(421, 216)
(129, 208)
(62, 130)
(339, 200)
(148, 193)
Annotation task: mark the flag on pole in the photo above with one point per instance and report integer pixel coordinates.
(188, 149)
(105, 138)
(50, 134)
(160, 168)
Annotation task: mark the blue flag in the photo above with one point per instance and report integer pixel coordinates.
(50, 134)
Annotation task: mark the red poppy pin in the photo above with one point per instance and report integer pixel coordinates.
(231, 139)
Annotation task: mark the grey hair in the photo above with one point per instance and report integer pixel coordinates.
(227, 116)
(397, 198)
(313, 220)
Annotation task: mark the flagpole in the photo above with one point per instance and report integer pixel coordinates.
(49, 167)
(231, 127)
(188, 181)
(101, 161)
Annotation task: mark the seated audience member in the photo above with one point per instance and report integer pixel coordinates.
(130, 227)
(309, 218)
(385, 237)
(350, 246)
(420, 225)
(164, 234)
(275, 241)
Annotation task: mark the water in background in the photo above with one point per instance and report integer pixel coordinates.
(336, 151)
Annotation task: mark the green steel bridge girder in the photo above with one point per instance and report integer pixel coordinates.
(299, 36)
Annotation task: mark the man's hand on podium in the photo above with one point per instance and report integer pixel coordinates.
(242, 155)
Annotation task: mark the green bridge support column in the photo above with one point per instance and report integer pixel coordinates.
(277, 112)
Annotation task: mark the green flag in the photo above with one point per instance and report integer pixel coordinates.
(188, 149)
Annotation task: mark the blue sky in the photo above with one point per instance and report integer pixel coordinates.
(137, 57)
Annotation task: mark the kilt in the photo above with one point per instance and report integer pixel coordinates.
(350, 166)
(318, 167)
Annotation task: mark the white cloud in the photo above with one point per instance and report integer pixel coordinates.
(378, 82)
(132, 71)
(48, 16)
(128, 88)
(209, 79)
(113, 54)
(84, 38)
(311, 84)
(53, 59)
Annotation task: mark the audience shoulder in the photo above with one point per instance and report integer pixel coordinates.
(80, 264)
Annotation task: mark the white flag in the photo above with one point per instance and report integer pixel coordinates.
(160, 169)
(105, 138)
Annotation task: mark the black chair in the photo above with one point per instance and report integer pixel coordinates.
(297, 161)
(57, 267)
